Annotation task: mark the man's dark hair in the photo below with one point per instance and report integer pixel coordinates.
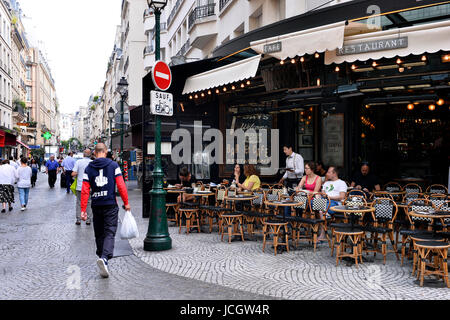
(11, 158)
(336, 170)
(288, 145)
(24, 160)
(184, 172)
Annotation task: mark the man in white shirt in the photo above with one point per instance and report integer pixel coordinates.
(78, 171)
(336, 190)
(295, 167)
(13, 163)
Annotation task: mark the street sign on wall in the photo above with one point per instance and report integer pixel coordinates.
(161, 75)
(161, 103)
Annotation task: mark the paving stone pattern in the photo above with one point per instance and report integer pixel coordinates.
(42, 251)
(299, 274)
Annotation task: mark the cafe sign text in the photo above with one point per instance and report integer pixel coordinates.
(272, 47)
(371, 46)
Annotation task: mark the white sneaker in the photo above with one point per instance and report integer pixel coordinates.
(103, 266)
(22, 209)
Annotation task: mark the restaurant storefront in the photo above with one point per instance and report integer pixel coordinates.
(331, 97)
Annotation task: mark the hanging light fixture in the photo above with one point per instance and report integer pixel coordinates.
(424, 58)
(374, 64)
(282, 62)
(203, 95)
(242, 85)
(431, 107)
(224, 89)
(399, 61)
(190, 97)
(337, 69)
(292, 61)
(440, 102)
(302, 59)
(209, 92)
(410, 106)
(353, 67)
(248, 82)
(233, 87)
(316, 55)
(196, 96)
(217, 91)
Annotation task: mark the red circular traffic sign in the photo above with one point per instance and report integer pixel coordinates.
(161, 75)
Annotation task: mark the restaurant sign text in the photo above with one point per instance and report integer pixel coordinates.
(371, 46)
(272, 47)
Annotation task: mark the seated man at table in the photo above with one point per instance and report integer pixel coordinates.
(336, 190)
(187, 181)
(365, 181)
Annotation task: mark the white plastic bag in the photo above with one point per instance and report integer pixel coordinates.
(129, 229)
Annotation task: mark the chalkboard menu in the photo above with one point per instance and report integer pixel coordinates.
(248, 122)
(333, 140)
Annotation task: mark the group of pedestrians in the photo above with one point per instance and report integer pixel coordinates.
(10, 174)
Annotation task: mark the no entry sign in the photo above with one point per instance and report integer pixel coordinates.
(161, 76)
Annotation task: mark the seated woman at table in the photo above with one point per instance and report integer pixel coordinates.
(311, 181)
(237, 176)
(187, 181)
(252, 181)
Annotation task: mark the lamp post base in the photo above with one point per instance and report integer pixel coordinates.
(157, 243)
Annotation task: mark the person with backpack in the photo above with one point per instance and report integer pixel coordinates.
(34, 172)
(101, 177)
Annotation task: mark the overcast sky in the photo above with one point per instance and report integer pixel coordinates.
(77, 38)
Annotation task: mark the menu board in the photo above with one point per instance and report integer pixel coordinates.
(333, 140)
(247, 122)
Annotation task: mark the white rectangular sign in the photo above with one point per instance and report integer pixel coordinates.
(161, 103)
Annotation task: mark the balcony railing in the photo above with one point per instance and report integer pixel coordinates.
(184, 48)
(174, 11)
(149, 49)
(223, 3)
(201, 12)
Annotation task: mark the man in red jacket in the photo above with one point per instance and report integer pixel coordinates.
(100, 179)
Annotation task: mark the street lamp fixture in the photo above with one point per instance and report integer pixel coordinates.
(111, 113)
(157, 4)
(157, 238)
(122, 89)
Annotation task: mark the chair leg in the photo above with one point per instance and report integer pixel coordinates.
(287, 239)
(264, 239)
(332, 241)
(384, 248)
(422, 267)
(394, 245)
(338, 248)
(445, 267)
(403, 248)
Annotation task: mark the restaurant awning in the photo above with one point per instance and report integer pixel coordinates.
(420, 39)
(320, 39)
(233, 72)
(23, 144)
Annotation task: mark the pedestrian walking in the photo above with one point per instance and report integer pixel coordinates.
(78, 171)
(24, 174)
(34, 172)
(103, 175)
(8, 176)
(13, 163)
(67, 167)
(52, 169)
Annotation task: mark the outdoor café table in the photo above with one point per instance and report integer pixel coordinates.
(284, 203)
(433, 215)
(240, 198)
(352, 210)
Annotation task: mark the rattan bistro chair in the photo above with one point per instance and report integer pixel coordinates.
(382, 226)
(412, 188)
(214, 212)
(437, 189)
(392, 187)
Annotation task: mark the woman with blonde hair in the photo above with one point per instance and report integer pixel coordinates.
(252, 181)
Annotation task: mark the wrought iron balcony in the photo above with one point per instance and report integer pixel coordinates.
(201, 12)
(223, 3)
(174, 11)
(184, 48)
(149, 50)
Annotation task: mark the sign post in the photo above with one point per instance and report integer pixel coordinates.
(158, 238)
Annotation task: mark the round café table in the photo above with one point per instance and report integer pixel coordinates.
(283, 203)
(433, 216)
(346, 210)
(240, 198)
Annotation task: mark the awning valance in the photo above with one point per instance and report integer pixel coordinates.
(23, 144)
(425, 38)
(233, 72)
(320, 39)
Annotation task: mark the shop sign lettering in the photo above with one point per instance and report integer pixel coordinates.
(371, 46)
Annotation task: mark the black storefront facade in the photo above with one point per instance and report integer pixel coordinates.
(344, 113)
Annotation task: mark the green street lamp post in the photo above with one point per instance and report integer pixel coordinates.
(111, 114)
(157, 238)
(122, 89)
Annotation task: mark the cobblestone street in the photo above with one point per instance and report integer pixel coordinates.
(41, 248)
